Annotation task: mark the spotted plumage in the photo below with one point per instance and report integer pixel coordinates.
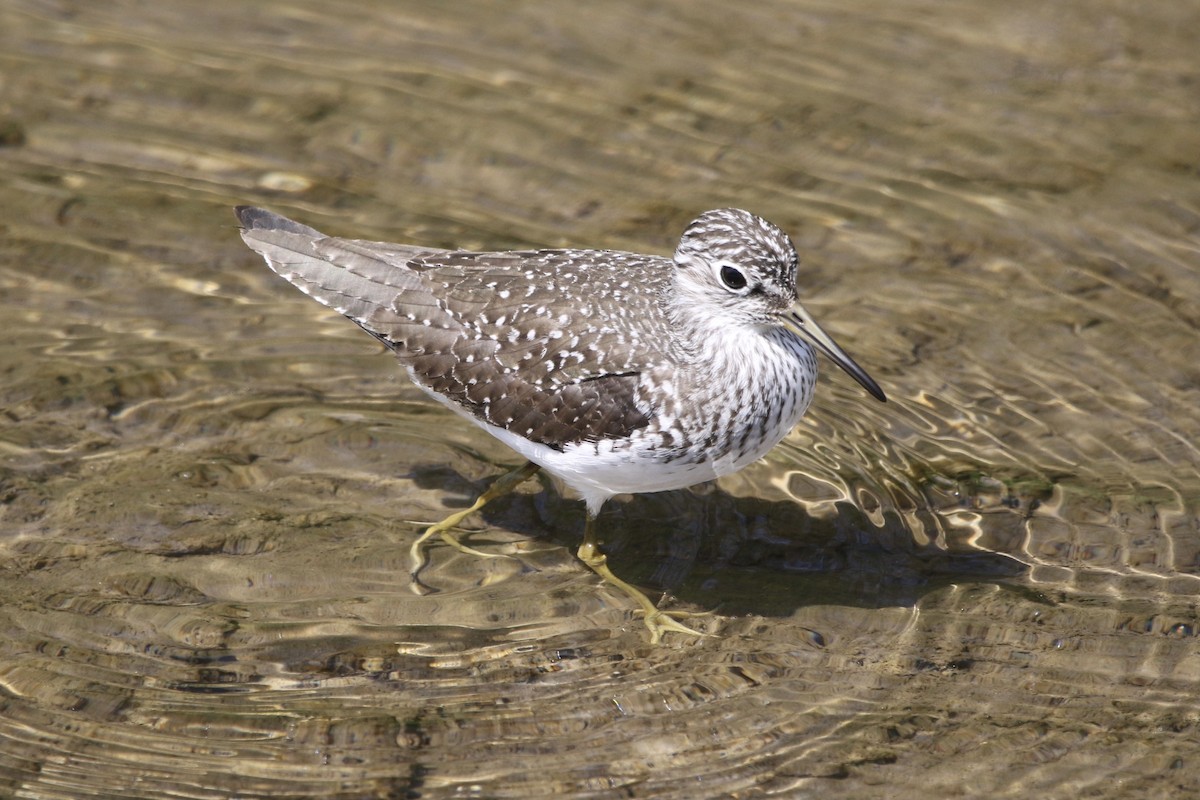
(615, 371)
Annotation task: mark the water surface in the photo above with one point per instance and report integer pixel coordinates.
(208, 484)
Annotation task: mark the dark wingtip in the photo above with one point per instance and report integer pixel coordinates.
(253, 218)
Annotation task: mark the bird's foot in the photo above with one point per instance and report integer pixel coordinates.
(657, 621)
(503, 485)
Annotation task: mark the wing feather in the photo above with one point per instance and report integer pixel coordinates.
(544, 343)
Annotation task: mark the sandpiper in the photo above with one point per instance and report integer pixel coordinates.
(615, 372)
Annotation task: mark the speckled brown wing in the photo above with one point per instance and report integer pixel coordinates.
(541, 343)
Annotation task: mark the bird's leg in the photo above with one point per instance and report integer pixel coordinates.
(657, 620)
(503, 485)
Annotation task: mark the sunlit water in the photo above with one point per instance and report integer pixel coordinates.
(986, 587)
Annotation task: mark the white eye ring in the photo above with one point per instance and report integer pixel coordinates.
(732, 278)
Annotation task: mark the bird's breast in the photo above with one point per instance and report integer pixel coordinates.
(734, 402)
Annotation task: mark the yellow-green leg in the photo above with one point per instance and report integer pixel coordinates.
(503, 485)
(657, 620)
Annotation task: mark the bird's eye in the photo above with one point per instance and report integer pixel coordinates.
(733, 278)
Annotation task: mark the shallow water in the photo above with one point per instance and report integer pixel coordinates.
(986, 587)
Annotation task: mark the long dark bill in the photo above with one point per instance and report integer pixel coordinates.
(801, 322)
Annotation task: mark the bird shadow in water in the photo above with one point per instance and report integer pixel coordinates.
(739, 555)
